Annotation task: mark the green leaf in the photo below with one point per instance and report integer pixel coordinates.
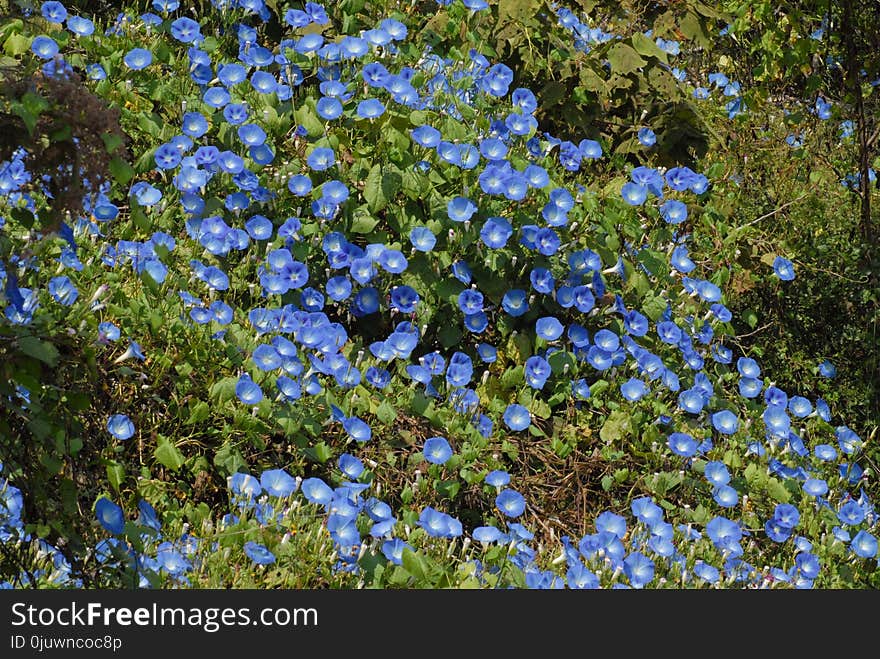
(516, 10)
(121, 170)
(647, 47)
(229, 459)
(653, 261)
(373, 189)
(617, 426)
(115, 474)
(777, 490)
(199, 411)
(320, 452)
(381, 187)
(624, 59)
(751, 318)
(416, 565)
(168, 455)
(363, 223)
(386, 413)
(16, 44)
(224, 389)
(654, 308)
(39, 349)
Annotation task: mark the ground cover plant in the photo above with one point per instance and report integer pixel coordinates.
(331, 296)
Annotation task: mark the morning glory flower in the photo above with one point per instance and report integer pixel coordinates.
(460, 209)
(815, 487)
(851, 513)
(497, 478)
(517, 417)
(639, 569)
(80, 26)
(258, 553)
(120, 426)
(682, 444)
(716, 473)
(248, 391)
(864, 545)
(350, 466)
(646, 137)
(63, 290)
(510, 502)
(634, 194)
(185, 30)
(53, 11)
(725, 496)
(549, 328)
(633, 389)
(44, 47)
(138, 58)
(827, 369)
(278, 483)
(370, 108)
(357, 429)
(725, 422)
(110, 515)
(437, 450)
(783, 268)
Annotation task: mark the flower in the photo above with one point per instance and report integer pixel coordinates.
(138, 58)
(827, 369)
(783, 268)
(549, 328)
(683, 444)
(44, 47)
(120, 426)
(510, 502)
(110, 515)
(725, 422)
(437, 450)
(258, 553)
(517, 417)
(278, 483)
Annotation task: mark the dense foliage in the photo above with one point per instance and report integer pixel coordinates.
(436, 294)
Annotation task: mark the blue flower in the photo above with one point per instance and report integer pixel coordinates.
(53, 11)
(683, 444)
(437, 450)
(460, 209)
(120, 426)
(725, 422)
(258, 553)
(639, 569)
(438, 524)
(851, 513)
(517, 417)
(497, 478)
(110, 515)
(44, 47)
(357, 429)
(63, 290)
(511, 503)
(864, 545)
(370, 108)
(633, 389)
(783, 268)
(278, 483)
(646, 137)
(634, 194)
(138, 58)
(827, 369)
(185, 30)
(248, 391)
(321, 158)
